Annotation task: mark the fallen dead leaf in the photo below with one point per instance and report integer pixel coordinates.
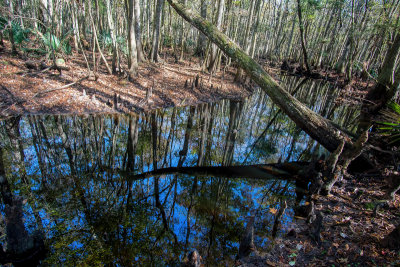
(273, 210)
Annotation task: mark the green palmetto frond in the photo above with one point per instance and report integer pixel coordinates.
(53, 43)
(390, 122)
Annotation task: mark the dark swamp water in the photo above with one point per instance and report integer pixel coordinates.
(67, 181)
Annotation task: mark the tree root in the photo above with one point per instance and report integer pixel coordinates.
(340, 160)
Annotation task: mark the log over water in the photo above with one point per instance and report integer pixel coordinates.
(289, 171)
(313, 124)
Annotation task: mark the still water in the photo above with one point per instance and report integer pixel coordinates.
(68, 180)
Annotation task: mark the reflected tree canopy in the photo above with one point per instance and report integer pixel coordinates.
(69, 173)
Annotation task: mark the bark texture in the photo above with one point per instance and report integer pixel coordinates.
(156, 32)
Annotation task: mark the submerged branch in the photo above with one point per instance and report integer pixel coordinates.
(262, 171)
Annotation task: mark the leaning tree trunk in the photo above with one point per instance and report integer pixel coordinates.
(385, 89)
(313, 124)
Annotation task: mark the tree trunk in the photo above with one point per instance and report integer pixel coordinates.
(246, 44)
(188, 132)
(11, 32)
(96, 40)
(313, 124)
(139, 46)
(132, 60)
(75, 24)
(341, 65)
(384, 91)
(43, 9)
(213, 55)
(351, 41)
(255, 31)
(303, 43)
(156, 31)
(287, 55)
(248, 28)
(110, 21)
(182, 36)
(133, 132)
(202, 41)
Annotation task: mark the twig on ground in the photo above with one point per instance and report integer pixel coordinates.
(62, 87)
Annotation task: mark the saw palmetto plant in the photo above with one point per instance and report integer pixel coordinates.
(389, 124)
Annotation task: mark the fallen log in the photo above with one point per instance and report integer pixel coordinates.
(289, 171)
(312, 123)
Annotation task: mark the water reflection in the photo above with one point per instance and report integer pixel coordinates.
(66, 176)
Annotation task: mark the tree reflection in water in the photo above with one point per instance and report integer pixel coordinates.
(71, 173)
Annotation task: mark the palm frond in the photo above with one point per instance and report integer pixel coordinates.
(390, 122)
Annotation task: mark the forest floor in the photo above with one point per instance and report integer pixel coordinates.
(351, 232)
(160, 85)
(20, 90)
